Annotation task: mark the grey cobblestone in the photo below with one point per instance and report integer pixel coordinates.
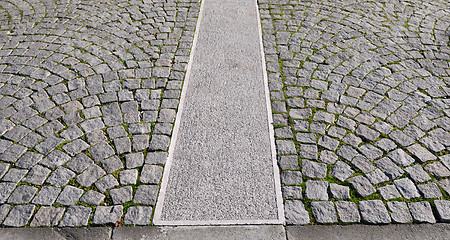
(151, 174)
(90, 175)
(19, 215)
(380, 99)
(92, 197)
(4, 209)
(69, 195)
(314, 169)
(47, 216)
(112, 164)
(417, 173)
(442, 207)
(399, 212)
(46, 196)
(374, 212)
(121, 195)
(348, 212)
(146, 194)
(339, 192)
(22, 194)
(386, 86)
(291, 177)
(138, 216)
(407, 188)
(421, 212)
(296, 213)
(317, 190)
(107, 182)
(60, 177)
(108, 214)
(362, 185)
(75, 216)
(292, 192)
(430, 190)
(324, 212)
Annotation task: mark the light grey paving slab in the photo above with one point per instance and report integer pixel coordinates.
(29, 233)
(220, 168)
(274, 232)
(356, 232)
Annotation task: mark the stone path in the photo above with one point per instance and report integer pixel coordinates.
(89, 92)
(361, 101)
(220, 168)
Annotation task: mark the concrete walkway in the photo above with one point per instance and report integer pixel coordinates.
(100, 99)
(263, 232)
(221, 167)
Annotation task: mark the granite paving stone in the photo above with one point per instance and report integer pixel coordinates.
(107, 182)
(14, 175)
(324, 212)
(347, 211)
(128, 177)
(60, 177)
(146, 194)
(134, 160)
(151, 174)
(4, 167)
(89, 95)
(430, 190)
(437, 170)
(22, 194)
(296, 213)
(90, 175)
(442, 207)
(422, 212)
(407, 188)
(417, 173)
(37, 175)
(47, 216)
(108, 214)
(6, 189)
(19, 215)
(313, 169)
(341, 171)
(121, 195)
(75, 216)
(374, 212)
(92, 197)
(389, 192)
(4, 209)
(156, 158)
(399, 212)
(400, 157)
(292, 192)
(288, 162)
(339, 192)
(69, 196)
(317, 190)
(46, 195)
(138, 216)
(362, 185)
(389, 110)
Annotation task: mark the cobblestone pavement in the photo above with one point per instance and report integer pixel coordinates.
(88, 96)
(361, 105)
(89, 90)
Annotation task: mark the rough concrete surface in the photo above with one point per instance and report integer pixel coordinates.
(222, 164)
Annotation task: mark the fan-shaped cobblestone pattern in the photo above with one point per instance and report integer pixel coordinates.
(88, 96)
(360, 95)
